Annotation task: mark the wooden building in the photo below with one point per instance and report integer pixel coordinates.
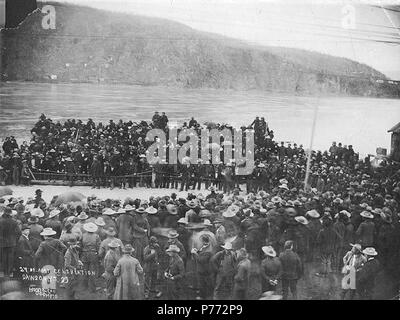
(395, 144)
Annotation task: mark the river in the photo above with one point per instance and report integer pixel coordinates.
(361, 122)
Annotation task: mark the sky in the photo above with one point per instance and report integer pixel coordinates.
(318, 25)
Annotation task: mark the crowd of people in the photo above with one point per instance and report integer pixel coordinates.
(244, 239)
(114, 155)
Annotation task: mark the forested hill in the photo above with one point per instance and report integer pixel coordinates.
(90, 45)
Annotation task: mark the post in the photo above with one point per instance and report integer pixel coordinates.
(310, 149)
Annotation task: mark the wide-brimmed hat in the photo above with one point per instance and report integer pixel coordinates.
(207, 223)
(129, 208)
(346, 213)
(151, 210)
(37, 212)
(114, 244)
(229, 213)
(283, 186)
(367, 214)
(48, 232)
(173, 248)
(269, 251)
(296, 203)
(356, 245)
(173, 234)
(121, 211)
(54, 213)
(301, 220)
(140, 210)
(313, 214)
(100, 222)
(283, 181)
(227, 245)
(183, 221)
(128, 249)
(370, 251)
(82, 216)
(33, 219)
(109, 212)
(276, 200)
(90, 227)
(270, 205)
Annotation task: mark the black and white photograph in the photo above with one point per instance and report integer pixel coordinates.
(203, 150)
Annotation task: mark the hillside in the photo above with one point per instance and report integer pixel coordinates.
(91, 45)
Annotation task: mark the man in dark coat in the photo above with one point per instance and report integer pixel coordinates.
(367, 275)
(291, 270)
(9, 236)
(202, 257)
(24, 253)
(125, 224)
(96, 170)
(174, 274)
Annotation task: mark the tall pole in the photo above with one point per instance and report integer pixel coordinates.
(310, 148)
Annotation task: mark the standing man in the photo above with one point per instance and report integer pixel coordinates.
(174, 274)
(223, 264)
(9, 236)
(291, 270)
(352, 263)
(241, 279)
(367, 275)
(127, 272)
(71, 265)
(151, 267)
(110, 262)
(90, 248)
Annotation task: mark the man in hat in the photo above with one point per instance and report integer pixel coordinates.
(50, 251)
(291, 270)
(241, 278)
(366, 229)
(367, 275)
(125, 224)
(140, 234)
(202, 257)
(173, 238)
(110, 262)
(39, 201)
(127, 271)
(90, 247)
(9, 236)
(24, 252)
(54, 222)
(34, 232)
(223, 264)
(151, 256)
(110, 233)
(271, 269)
(71, 265)
(352, 264)
(174, 274)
